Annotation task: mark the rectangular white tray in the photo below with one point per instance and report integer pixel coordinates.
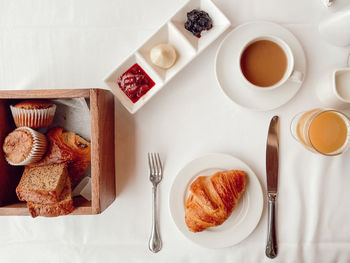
(187, 47)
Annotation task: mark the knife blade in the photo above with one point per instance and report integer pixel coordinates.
(272, 148)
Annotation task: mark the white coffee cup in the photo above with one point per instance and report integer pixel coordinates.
(289, 74)
(334, 89)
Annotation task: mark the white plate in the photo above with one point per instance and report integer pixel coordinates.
(228, 72)
(244, 217)
(187, 47)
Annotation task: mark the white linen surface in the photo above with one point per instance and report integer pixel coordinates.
(47, 44)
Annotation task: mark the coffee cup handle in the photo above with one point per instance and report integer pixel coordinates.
(297, 76)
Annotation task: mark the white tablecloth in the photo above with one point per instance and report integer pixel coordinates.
(47, 44)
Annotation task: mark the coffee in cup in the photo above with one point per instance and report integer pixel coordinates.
(266, 63)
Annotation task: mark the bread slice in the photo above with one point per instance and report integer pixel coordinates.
(42, 185)
(63, 207)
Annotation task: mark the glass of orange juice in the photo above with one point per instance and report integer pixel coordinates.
(323, 131)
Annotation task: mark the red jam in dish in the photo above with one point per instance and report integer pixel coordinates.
(135, 83)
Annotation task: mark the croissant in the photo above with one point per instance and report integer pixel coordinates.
(67, 147)
(213, 199)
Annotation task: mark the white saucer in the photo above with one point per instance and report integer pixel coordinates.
(244, 217)
(228, 73)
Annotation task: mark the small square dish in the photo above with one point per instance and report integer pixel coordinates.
(141, 75)
(220, 23)
(184, 50)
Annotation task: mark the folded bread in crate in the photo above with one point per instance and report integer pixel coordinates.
(47, 190)
(70, 148)
(47, 184)
(63, 207)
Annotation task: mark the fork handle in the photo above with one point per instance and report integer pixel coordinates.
(155, 242)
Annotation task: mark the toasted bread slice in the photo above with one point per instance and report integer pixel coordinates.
(42, 185)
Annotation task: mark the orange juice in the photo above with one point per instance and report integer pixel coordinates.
(302, 124)
(324, 131)
(328, 132)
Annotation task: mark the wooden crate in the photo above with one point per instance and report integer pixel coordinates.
(102, 150)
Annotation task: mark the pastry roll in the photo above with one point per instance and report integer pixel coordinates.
(213, 199)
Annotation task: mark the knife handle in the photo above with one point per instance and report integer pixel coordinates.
(271, 246)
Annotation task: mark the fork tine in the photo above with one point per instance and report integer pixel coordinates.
(156, 163)
(159, 165)
(154, 167)
(149, 163)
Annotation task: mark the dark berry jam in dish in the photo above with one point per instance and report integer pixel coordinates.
(135, 83)
(197, 21)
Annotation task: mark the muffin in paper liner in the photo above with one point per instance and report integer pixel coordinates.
(39, 147)
(33, 118)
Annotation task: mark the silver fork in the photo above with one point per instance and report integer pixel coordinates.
(155, 176)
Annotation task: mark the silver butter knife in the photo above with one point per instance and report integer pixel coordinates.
(272, 183)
